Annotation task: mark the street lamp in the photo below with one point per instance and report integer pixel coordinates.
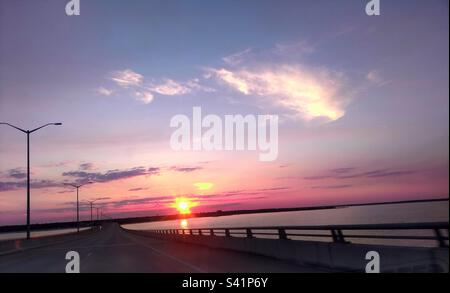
(91, 202)
(28, 132)
(77, 186)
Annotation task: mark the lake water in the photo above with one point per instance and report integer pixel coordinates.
(23, 235)
(376, 214)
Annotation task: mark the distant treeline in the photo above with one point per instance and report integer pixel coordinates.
(135, 220)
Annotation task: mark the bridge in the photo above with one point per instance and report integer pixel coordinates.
(111, 248)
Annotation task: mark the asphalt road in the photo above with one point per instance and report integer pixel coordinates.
(114, 250)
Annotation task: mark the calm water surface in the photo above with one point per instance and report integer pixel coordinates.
(389, 213)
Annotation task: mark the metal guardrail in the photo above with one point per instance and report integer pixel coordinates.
(334, 232)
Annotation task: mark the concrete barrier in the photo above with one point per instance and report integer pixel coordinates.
(14, 246)
(344, 257)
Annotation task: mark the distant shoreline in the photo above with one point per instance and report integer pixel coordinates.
(137, 220)
(263, 211)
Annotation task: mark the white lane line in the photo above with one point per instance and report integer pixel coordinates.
(199, 270)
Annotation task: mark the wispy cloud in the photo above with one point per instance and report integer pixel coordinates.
(185, 169)
(380, 173)
(169, 87)
(298, 48)
(36, 184)
(293, 49)
(17, 173)
(307, 93)
(347, 173)
(342, 186)
(111, 175)
(144, 96)
(127, 78)
(277, 76)
(144, 91)
(84, 173)
(375, 77)
(204, 185)
(137, 189)
(342, 170)
(87, 166)
(104, 91)
(237, 58)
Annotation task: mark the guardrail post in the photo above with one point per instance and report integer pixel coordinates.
(440, 238)
(227, 233)
(282, 234)
(334, 236)
(341, 236)
(338, 236)
(211, 232)
(191, 232)
(200, 232)
(249, 233)
(182, 231)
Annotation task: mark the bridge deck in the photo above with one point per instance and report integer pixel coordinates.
(115, 250)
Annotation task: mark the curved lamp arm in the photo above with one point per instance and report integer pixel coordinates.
(48, 124)
(30, 131)
(18, 128)
(77, 186)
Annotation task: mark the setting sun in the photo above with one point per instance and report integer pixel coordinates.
(183, 205)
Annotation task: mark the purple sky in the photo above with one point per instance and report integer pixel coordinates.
(363, 102)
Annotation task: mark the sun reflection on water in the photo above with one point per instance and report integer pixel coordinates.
(184, 224)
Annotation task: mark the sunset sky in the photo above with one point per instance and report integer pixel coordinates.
(363, 103)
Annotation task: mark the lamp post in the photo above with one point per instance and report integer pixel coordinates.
(77, 186)
(28, 132)
(91, 202)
